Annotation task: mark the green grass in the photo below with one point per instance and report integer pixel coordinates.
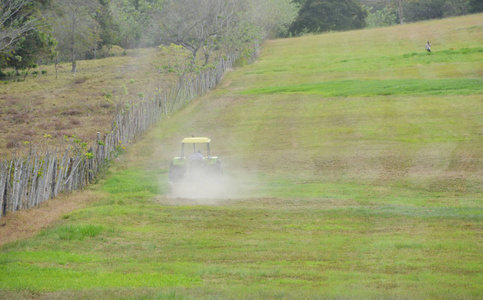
(368, 88)
(358, 172)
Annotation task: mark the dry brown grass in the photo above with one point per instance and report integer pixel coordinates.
(41, 110)
(25, 224)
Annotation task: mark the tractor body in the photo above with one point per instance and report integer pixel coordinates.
(192, 164)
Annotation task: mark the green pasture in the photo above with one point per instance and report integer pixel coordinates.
(356, 166)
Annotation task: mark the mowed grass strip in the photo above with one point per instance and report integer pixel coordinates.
(349, 197)
(367, 88)
(286, 247)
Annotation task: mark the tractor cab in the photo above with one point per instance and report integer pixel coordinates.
(195, 158)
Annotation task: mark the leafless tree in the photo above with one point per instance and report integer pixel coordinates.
(196, 24)
(13, 24)
(206, 25)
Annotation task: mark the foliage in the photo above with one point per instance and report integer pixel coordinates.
(416, 10)
(475, 6)
(31, 48)
(455, 8)
(423, 10)
(177, 60)
(17, 17)
(75, 28)
(271, 17)
(135, 26)
(381, 18)
(108, 27)
(206, 26)
(328, 15)
(23, 40)
(198, 25)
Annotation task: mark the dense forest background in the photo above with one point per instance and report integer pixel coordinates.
(34, 32)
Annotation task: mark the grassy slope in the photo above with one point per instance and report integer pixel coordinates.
(371, 193)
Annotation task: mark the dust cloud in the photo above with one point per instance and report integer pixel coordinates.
(206, 188)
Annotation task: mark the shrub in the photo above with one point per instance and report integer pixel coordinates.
(58, 125)
(80, 80)
(13, 141)
(20, 118)
(71, 112)
(74, 121)
(30, 132)
(43, 126)
(381, 18)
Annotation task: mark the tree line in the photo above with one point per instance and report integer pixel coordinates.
(315, 16)
(35, 31)
(50, 31)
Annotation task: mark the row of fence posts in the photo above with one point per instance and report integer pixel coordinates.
(27, 181)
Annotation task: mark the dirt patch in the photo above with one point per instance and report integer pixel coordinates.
(25, 224)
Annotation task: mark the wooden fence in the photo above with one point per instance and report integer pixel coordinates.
(25, 182)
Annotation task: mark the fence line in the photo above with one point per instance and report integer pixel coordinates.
(26, 182)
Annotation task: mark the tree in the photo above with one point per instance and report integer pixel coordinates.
(418, 10)
(196, 24)
(33, 45)
(475, 6)
(400, 11)
(108, 27)
(423, 10)
(203, 26)
(273, 17)
(327, 15)
(134, 22)
(381, 17)
(30, 49)
(75, 28)
(16, 19)
(455, 8)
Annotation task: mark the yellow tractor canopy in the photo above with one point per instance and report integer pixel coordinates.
(195, 140)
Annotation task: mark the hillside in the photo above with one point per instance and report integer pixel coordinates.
(41, 109)
(353, 169)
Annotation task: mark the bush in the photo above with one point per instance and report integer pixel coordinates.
(381, 18)
(80, 80)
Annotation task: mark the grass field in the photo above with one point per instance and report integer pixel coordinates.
(355, 169)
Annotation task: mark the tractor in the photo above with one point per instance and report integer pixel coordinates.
(194, 166)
